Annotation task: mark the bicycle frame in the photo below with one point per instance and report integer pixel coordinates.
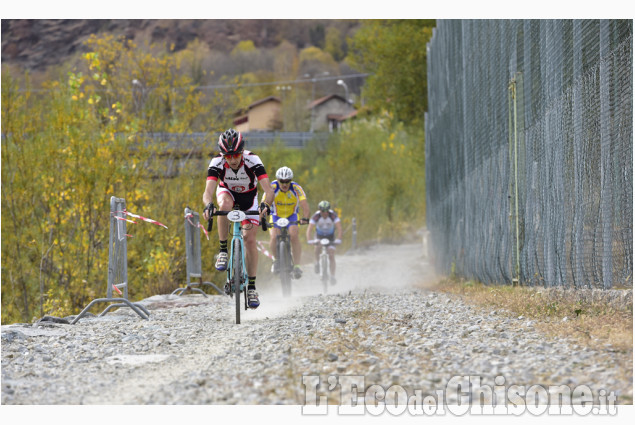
(237, 236)
(237, 267)
(325, 265)
(324, 261)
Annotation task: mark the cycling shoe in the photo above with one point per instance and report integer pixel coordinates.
(297, 272)
(221, 261)
(252, 298)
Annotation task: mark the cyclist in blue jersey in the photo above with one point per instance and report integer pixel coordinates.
(326, 224)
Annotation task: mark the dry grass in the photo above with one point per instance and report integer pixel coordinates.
(593, 318)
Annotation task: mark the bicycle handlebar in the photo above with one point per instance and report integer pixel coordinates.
(249, 212)
(210, 221)
(297, 222)
(317, 241)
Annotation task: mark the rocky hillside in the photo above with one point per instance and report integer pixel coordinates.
(36, 44)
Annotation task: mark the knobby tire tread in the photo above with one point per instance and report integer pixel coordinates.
(237, 274)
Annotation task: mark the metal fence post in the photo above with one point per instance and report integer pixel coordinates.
(424, 243)
(193, 256)
(117, 265)
(354, 241)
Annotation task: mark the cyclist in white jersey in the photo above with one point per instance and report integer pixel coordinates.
(232, 177)
(326, 223)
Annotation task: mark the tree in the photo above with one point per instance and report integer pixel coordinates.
(193, 61)
(244, 54)
(394, 53)
(316, 35)
(314, 60)
(68, 148)
(334, 43)
(285, 59)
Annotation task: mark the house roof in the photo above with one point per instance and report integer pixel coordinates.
(321, 100)
(340, 117)
(265, 100)
(243, 111)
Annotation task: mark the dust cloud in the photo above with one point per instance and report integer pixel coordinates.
(380, 266)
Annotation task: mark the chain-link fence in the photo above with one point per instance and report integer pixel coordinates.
(529, 162)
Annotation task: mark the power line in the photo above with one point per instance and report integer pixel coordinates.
(266, 83)
(273, 83)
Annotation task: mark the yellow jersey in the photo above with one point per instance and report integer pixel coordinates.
(285, 204)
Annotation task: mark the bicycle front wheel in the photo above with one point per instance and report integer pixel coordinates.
(283, 267)
(324, 268)
(237, 274)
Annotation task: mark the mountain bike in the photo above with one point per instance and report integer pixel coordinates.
(237, 266)
(284, 255)
(324, 261)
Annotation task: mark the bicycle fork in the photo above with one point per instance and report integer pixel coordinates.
(236, 236)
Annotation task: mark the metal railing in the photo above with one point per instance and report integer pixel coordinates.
(117, 265)
(194, 269)
(254, 139)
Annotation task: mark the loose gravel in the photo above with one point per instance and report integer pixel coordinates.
(377, 322)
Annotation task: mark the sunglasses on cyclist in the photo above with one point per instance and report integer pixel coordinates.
(233, 156)
(284, 181)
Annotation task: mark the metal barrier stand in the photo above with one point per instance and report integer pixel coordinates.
(117, 265)
(193, 256)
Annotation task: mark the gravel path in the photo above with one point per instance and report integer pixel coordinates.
(377, 323)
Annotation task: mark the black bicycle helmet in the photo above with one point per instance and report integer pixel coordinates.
(231, 142)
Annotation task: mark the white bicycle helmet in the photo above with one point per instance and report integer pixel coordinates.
(284, 173)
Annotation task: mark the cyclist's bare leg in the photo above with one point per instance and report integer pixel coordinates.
(225, 203)
(251, 249)
(296, 247)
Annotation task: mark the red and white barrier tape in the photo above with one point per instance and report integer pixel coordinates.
(124, 219)
(262, 248)
(149, 220)
(199, 224)
(117, 289)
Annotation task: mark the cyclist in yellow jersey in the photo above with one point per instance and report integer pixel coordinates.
(288, 196)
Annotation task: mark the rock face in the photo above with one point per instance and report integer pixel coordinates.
(36, 44)
(39, 43)
(378, 324)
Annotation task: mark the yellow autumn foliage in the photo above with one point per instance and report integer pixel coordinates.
(68, 148)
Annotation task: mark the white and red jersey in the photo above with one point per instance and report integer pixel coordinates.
(245, 179)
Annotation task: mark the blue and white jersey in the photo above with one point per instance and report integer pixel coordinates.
(324, 226)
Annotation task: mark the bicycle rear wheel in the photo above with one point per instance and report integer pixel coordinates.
(283, 267)
(237, 274)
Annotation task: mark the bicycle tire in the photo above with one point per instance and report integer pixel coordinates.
(324, 265)
(283, 268)
(237, 271)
